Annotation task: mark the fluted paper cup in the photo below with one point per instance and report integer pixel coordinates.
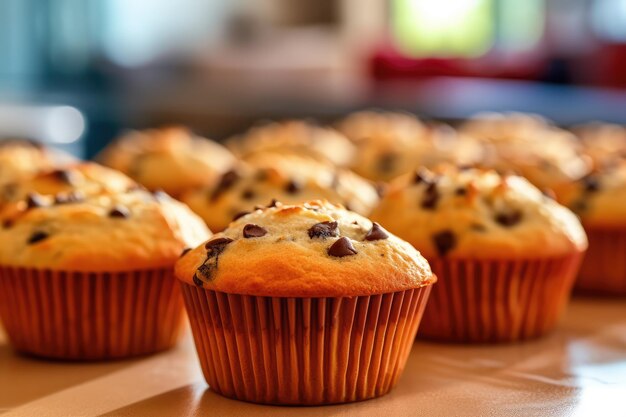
(603, 271)
(303, 351)
(90, 316)
(494, 301)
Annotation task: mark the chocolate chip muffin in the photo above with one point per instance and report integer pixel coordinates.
(506, 254)
(171, 159)
(323, 303)
(287, 178)
(95, 274)
(530, 146)
(22, 158)
(599, 199)
(73, 181)
(384, 158)
(295, 137)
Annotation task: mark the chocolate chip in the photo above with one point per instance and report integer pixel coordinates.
(68, 177)
(217, 245)
(293, 187)
(253, 230)
(460, 191)
(119, 212)
(324, 230)
(431, 196)
(67, 198)
(226, 181)
(386, 162)
(376, 233)
(214, 248)
(248, 194)
(509, 219)
(184, 252)
(591, 184)
(197, 280)
(8, 223)
(9, 191)
(37, 237)
(272, 203)
(34, 200)
(240, 215)
(444, 241)
(342, 247)
(421, 175)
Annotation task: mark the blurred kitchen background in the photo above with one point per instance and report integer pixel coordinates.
(76, 72)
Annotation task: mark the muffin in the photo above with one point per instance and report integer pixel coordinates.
(304, 304)
(91, 279)
(295, 137)
(171, 159)
(380, 158)
(73, 180)
(529, 145)
(602, 142)
(381, 126)
(506, 255)
(22, 158)
(287, 178)
(599, 199)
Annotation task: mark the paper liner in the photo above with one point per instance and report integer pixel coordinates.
(603, 271)
(489, 301)
(303, 351)
(90, 316)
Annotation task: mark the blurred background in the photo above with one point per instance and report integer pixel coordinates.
(76, 72)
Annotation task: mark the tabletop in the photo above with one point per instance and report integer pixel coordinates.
(580, 370)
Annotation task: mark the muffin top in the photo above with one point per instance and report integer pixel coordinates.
(382, 159)
(314, 249)
(599, 198)
(109, 232)
(172, 159)
(297, 137)
(603, 142)
(76, 179)
(22, 158)
(530, 146)
(287, 178)
(383, 126)
(474, 213)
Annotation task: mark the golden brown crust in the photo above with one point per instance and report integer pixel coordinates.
(530, 146)
(172, 159)
(295, 137)
(472, 213)
(288, 178)
(107, 232)
(382, 158)
(86, 178)
(20, 159)
(299, 252)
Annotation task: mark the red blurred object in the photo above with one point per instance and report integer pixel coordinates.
(388, 63)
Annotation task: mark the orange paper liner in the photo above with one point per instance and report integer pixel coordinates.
(90, 316)
(303, 351)
(603, 271)
(492, 301)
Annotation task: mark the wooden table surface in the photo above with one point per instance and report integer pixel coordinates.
(580, 370)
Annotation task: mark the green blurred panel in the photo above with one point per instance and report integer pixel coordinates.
(443, 27)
